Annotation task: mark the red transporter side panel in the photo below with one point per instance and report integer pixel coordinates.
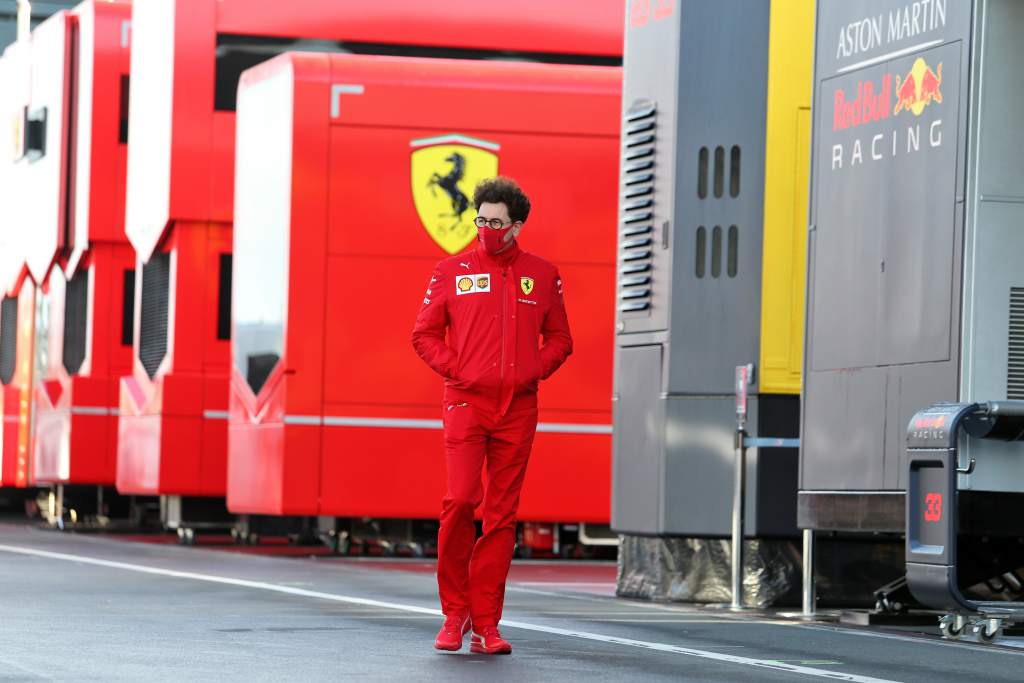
(351, 236)
(87, 347)
(187, 56)
(182, 157)
(44, 165)
(13, 97)
(172, 430)
(20, 304)
(567, 27)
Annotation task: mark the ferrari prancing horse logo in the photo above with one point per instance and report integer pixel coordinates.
(445, 171)
(526, 283)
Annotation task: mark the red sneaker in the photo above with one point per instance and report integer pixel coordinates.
(450, 635)
(488, 641)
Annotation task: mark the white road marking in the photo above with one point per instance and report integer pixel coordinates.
(22, 667)
(674, 620)
(414, 609)
(1005, 642)
(599, 584)
(592, 597)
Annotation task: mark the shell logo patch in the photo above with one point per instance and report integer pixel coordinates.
(526, 284)
(472, 284)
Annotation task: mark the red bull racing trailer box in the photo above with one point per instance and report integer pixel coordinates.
(74, 189)
(187, 59)
(354, 177)
(915, 290)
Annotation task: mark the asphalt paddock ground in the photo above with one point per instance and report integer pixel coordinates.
(94, 608)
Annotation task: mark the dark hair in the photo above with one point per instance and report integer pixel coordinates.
(504, 190)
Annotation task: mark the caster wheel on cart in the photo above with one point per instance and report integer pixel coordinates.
(186, 536)
(950, 631)
(988, 630)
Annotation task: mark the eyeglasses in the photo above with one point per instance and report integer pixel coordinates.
(493, 223)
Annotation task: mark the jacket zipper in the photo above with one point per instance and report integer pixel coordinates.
(504, 298)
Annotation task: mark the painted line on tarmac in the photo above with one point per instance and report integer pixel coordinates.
(28, 671)
(598, 584)
(774, 665)
(674, 620)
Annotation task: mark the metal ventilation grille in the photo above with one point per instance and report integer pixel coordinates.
(8, 338)
(156, 280)
(636, 232)
(76, 305)
(1015, 359)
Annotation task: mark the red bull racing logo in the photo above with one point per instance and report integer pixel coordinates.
(930, 422)
(877, 101)
(919, 88)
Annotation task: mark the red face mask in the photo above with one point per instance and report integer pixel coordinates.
(494, 240)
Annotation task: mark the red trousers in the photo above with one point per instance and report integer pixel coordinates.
(471, 572)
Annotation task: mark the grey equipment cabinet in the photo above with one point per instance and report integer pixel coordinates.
(689, 273)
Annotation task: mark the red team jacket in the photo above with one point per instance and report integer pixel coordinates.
(495, 310)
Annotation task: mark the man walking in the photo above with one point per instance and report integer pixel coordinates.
(495, 303)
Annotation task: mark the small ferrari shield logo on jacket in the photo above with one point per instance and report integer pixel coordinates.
(526, 283)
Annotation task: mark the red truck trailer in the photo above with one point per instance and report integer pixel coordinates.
(75, 243)
(354, 176)
(187, 58)
(17, 329)
(17, 309)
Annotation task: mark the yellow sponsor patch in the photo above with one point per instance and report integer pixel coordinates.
(526, 284)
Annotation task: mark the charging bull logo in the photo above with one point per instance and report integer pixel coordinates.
(445, 170)
(930, 422)
(919, 88)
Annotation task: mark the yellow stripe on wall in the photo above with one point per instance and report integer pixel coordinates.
(787, 160)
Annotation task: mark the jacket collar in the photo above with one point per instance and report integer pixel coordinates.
(503, 259)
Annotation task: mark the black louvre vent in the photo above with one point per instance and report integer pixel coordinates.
(636, 209)
(1015, 359)
(156, 280)
(8, 338)
(76, 304)
(224, 298)
(128, 309)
